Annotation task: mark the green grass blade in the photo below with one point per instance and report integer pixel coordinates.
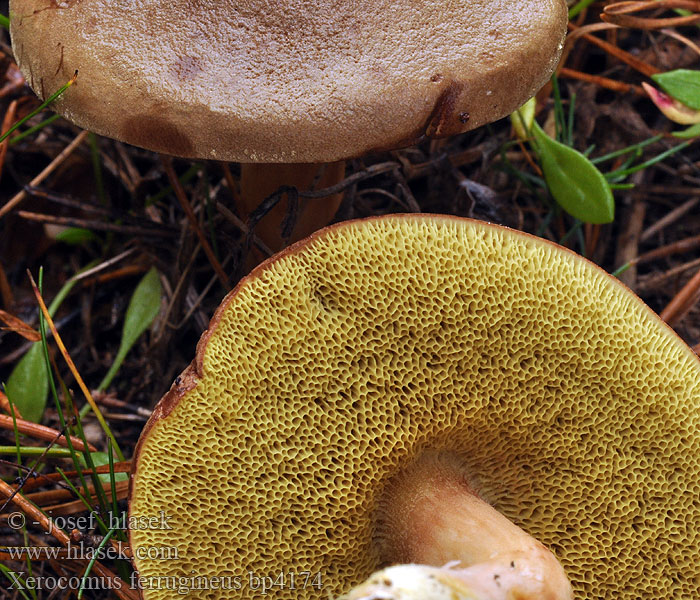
(578, 7)
(627, 150)
(83, 499)
(36, 451)
(35, 112)
(97, 553)
(620, 270)
(645, 165)
(97, 169)
(78, 459)
(32, 130)
(28, 383)
(14, 578)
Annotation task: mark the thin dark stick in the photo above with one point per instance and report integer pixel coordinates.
(167, 163)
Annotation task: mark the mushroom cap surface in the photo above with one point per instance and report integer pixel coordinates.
(290, 81)
(340, 360)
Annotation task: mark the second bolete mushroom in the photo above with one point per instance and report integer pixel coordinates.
(358, 396)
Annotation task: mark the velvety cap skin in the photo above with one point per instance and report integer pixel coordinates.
(342, 360)
(286, 81)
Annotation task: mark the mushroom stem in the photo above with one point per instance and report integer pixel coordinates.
(431, 515)
(260, 180)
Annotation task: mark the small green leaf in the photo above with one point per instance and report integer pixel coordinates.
(574, 181)
(75, 236)
(578, 7)
(522, 119)
(99, 459)
(28, 384)
(672, 108)
(143, 308)
(691, 132)
(681, 84)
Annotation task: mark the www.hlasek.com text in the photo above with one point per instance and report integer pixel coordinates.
(81, 551)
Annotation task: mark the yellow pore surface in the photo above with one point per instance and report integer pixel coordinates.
(574, 407)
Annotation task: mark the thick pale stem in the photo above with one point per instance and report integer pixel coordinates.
(460, 547)
(258, 181)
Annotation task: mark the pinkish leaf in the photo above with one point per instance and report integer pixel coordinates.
(674, 110)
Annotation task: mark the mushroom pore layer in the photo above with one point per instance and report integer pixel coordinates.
(572, 407)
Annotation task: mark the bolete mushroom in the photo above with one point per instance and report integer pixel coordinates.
(358, 396)
(294, 82)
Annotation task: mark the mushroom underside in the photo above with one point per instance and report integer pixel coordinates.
(573, 408)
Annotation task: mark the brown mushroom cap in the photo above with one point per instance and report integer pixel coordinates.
(340, 361)
(285, 82)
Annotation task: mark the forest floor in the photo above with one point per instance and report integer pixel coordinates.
(75, 202)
